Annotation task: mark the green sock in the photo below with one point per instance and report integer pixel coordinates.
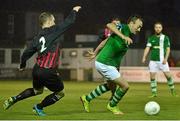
(170, 83)
(119, 93)
(153, 86)
(97, 92)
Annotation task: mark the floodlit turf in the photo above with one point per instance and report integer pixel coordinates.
(70, 107)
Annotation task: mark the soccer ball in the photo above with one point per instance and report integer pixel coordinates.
(152, 108)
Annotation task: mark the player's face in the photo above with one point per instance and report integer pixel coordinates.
(52, 20)
(136, 26)
(158, 28)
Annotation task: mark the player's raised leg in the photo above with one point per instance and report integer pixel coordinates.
(23, 95)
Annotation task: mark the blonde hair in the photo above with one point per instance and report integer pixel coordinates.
(43, 17)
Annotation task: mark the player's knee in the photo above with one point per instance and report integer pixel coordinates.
(168, 75)
(111, 86)
(59, 95)
(125, 87)
(38, 92)
(153, 75)
(61, 87)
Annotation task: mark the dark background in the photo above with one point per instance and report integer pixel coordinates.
(92, 18)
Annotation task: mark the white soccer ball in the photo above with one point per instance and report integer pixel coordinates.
(152, 108)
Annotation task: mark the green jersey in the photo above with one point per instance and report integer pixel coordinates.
(158, 45)
(114, 49)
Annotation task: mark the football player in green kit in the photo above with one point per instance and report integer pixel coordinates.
(159, 45)
(109, 59)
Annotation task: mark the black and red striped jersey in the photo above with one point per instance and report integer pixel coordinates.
(47, 44)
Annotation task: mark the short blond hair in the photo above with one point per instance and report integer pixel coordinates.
(43, 17)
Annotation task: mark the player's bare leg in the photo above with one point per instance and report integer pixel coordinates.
(121, 90)
(112, 86)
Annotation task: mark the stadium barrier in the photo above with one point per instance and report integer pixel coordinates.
(74, 66)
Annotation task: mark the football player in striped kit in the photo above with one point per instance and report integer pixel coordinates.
(159, 45)
(47, 44)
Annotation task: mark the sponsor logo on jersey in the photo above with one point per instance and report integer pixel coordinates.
(156, 47)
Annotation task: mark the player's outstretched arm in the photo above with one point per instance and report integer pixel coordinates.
(92, 55)
(146, 51)
(114, 29)
(28, 53)
(69, 20)
(100, 46)
(25, 56)
(66, 24)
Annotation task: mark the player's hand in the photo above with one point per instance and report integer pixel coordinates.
(164, 62)
(77, 8)
(128, 40)
(21, 69)
(91, 55)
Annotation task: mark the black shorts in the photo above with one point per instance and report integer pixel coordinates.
(46, 77)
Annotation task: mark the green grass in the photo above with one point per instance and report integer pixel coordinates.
(70, 107)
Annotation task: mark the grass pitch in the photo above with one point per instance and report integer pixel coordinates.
(70, 107)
